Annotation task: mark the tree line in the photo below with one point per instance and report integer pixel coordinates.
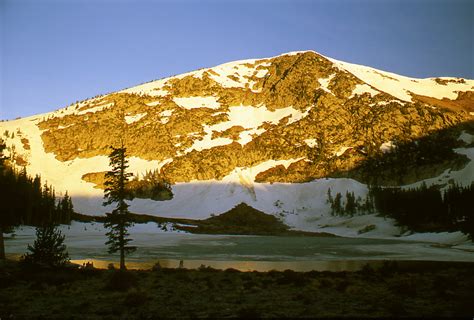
(152, 186)
(350, 205)
(420, 209)
(25, 200)
(411, 156)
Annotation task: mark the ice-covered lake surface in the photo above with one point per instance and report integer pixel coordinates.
(85, 242)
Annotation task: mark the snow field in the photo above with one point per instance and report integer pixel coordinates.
(67, 176)
(248, 117)
(153, 88)
(401, 86)
(134, 118)
(197, 102)
(324, 82)
(364, 88)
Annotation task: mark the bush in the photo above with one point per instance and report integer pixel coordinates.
(135, 298)
(121, 280)
(48, 249)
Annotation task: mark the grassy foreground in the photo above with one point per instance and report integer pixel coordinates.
(430, 289)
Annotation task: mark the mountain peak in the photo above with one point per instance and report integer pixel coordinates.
(292, 118)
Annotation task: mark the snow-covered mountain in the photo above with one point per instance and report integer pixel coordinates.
(275, 133)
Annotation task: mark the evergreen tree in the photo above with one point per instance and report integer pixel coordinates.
(153, 185)
(24, 201)
(336, 206)
(428, 209)
(367, 206)
(118, 221)
(64, 209)
(351, 205)
(330, 199)
(48, 248)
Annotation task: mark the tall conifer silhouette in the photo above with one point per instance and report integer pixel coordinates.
(118, 221)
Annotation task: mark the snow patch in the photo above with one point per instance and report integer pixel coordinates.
(247, 135)
(363, 88)
(153, 103)
(311, 143)
(384, 103)
(165, 116)
(166, 113)
(235, 74)
(96, 104)
(138, 165)
(225, 74)
(294, 53)
(249, 173)
(387, 146)
(207, 143)
(341, 151)
(401, 86)
(324, 82)
(197, 102)
(466, 137)
(64, 127)
(261, 73)
(247, 117)
(134, 118)
(95, 109)
(153, 88)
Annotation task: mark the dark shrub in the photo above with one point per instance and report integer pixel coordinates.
(121, 280)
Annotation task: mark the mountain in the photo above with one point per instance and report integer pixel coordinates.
(275, 133)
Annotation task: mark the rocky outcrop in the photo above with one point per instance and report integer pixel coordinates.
(347, 127)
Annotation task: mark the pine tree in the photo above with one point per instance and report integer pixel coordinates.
(118, 221)
(367, 206)
(351, 204)
(24, 201)
(64, 209)
(48, 248)
(336, 206)
(330, 199)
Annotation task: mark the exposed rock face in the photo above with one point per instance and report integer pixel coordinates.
(215, 120)
(98, 178)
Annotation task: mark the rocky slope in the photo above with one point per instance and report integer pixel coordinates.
(234, 131)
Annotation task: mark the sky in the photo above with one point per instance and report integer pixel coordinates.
(56, 52)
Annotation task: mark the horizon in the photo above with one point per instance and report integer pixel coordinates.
(54, 53)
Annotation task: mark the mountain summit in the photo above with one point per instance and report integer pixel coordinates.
(275, 133)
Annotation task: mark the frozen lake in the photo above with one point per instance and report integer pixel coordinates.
(85, 242)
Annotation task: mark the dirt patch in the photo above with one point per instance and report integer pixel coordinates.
(463, 102)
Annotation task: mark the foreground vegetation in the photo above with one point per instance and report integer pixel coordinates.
(424, 289)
